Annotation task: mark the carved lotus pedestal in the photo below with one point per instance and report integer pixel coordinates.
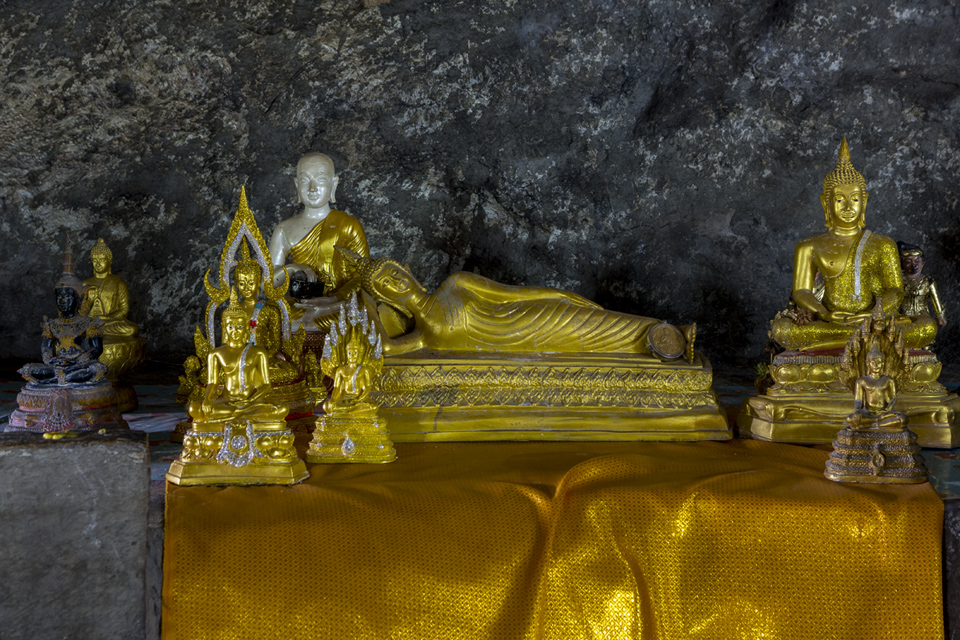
(239, 454)
(358, 436)
(75, 407)
(122, 357)
(427, 397)
(875, 456)
(808, 405)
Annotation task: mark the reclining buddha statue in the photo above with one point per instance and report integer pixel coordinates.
(484, 360)
(839, 277)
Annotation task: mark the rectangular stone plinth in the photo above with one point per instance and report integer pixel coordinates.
(73, 535)
(428, 396)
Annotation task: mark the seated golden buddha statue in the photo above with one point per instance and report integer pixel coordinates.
(265, 317)
(307, 242)
(919, 290)
(107, 298)
(350, 429)
(859, 268)
(238, 377)
(839, 277)
(245, 261)
(471, 313)
(238, 435)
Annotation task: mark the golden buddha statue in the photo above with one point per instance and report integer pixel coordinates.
(264, 315)
(238, 377)
(350, 429)
(307, 241)
(471, 313)
(238, 435)
(107, 298)
(918, 290)
(839, 277)
(245, 261)
(859, 269)
(875, 445)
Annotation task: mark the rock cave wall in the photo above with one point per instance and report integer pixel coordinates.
(660, 157)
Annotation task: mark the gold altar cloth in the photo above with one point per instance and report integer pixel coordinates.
(560, 540)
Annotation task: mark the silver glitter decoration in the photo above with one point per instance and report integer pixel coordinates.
(856, 264)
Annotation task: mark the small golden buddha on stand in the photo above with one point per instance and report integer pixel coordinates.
(806, 402)
(238, 436)
(876, 445)
(107, 298)
(349, 429)
(919, 290)
(69, 390)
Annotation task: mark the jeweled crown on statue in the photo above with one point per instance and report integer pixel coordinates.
(839, 277)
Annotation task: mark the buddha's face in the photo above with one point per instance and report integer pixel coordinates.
(912, 265)
(353, 352)
(875, 365)
(844, 206)
(67, 301)
(101, 264)
(392, 282)
(316, 182)
(235, 330)
(248, 284)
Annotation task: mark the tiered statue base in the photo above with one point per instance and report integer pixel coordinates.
(234, 453)
(296, 395)
(351, 437)
(875, 456)
(808, 404)
(428, 396)
(76, 407)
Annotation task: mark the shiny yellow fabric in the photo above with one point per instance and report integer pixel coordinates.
(558, 540)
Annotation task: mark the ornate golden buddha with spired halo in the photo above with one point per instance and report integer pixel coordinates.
(875, 445)
(487, 361)
(245, 258)
(107, 298)
(238, 435)
(350, 429)
(858, 270)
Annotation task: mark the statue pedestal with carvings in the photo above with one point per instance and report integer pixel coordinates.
(80, 407)
(430, 397)
(238, 454)
(885, 457)
(807, 403)
(351, 437)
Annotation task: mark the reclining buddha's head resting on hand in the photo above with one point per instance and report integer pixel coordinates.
(385, 279)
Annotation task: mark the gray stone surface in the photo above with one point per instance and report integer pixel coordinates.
(659, 157)
(73, 536)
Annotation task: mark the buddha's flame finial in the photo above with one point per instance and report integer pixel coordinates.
(68, 278)
(243, 200)
(844, 154)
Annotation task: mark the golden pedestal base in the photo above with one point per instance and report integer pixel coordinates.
(122, 357)
(350, 437)
(431, 397)
(808, 405)
(254, 453)
(296, 395)
(876, 457)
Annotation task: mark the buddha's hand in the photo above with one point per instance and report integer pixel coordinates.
(844, 317)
